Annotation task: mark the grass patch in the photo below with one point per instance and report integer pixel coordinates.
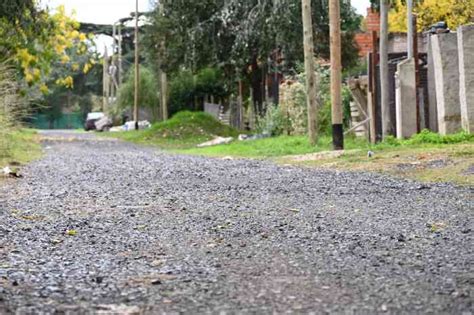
(272, 147)
(427, 163)
(426, 156)
(184, 130)
(297, 145)
(18, 146)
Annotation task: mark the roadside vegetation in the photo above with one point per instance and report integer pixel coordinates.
(18, 146)
(183, 131)
(426, 156)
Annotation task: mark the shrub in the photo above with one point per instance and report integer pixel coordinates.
(426, 136)
(182, 91)
(274, 122)
(209, 81)
(188, 124)
(148, 95)
(293, 107)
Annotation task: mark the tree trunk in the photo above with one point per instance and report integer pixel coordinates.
(384, 80)
(335, 48)
(311, 88)
(164, 95)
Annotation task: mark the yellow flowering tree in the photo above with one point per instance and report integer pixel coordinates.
(453, 12)
(38, 41)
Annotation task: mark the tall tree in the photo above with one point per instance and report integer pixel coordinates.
(453, 12)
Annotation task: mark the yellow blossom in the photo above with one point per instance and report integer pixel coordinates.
(44, 89)
(87, 67)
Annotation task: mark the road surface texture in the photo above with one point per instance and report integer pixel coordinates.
(106, 227)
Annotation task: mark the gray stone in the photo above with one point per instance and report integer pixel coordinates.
(466, 76)
(446, 70)
(405, 100)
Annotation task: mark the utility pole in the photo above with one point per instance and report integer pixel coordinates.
(335, 48)
(163, 75)
(137, 71)
(120, 70)
(383, 65)
(311, 92)
(410, 28)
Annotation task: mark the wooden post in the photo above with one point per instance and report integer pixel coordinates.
(164, 94)
(240, 102)
(372, 97)
(335, 48)
(384, 85)
(105, 80)
(120, 69)
(163, 75)
(137, 71)
(311, 92)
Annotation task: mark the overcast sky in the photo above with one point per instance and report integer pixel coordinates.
(98, 11)
(109, 11)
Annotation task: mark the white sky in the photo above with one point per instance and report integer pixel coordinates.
(109, 11)
(98, 11)
(361, 6)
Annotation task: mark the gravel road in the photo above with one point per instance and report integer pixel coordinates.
(107, 227)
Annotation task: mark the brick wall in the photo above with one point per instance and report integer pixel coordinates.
(372, 21)
(364, 40)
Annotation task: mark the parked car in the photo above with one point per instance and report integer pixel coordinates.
(91, 119)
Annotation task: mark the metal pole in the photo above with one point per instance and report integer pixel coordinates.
(335, 48)
(137, 72)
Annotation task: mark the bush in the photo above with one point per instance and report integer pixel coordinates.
(426, 136)
(185, 87)
(182, 92)
(188, 124)
(293, 103)
(209, 81)
(148, 95)
(293, 107)
(274, 122)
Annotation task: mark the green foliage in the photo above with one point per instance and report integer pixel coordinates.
(148, 95)
(185, 129)
(274, 122)
(186, 87)
(274, 147)
(18, 145)
(210, 81)
(428, 137)
(182, 91)
(231, 34)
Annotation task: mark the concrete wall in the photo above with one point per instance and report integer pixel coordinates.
(405, 100)
(397, 43)
(433, 112)
(446, 71)
(466, 76)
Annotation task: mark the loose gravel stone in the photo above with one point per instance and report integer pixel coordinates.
(101, 226)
